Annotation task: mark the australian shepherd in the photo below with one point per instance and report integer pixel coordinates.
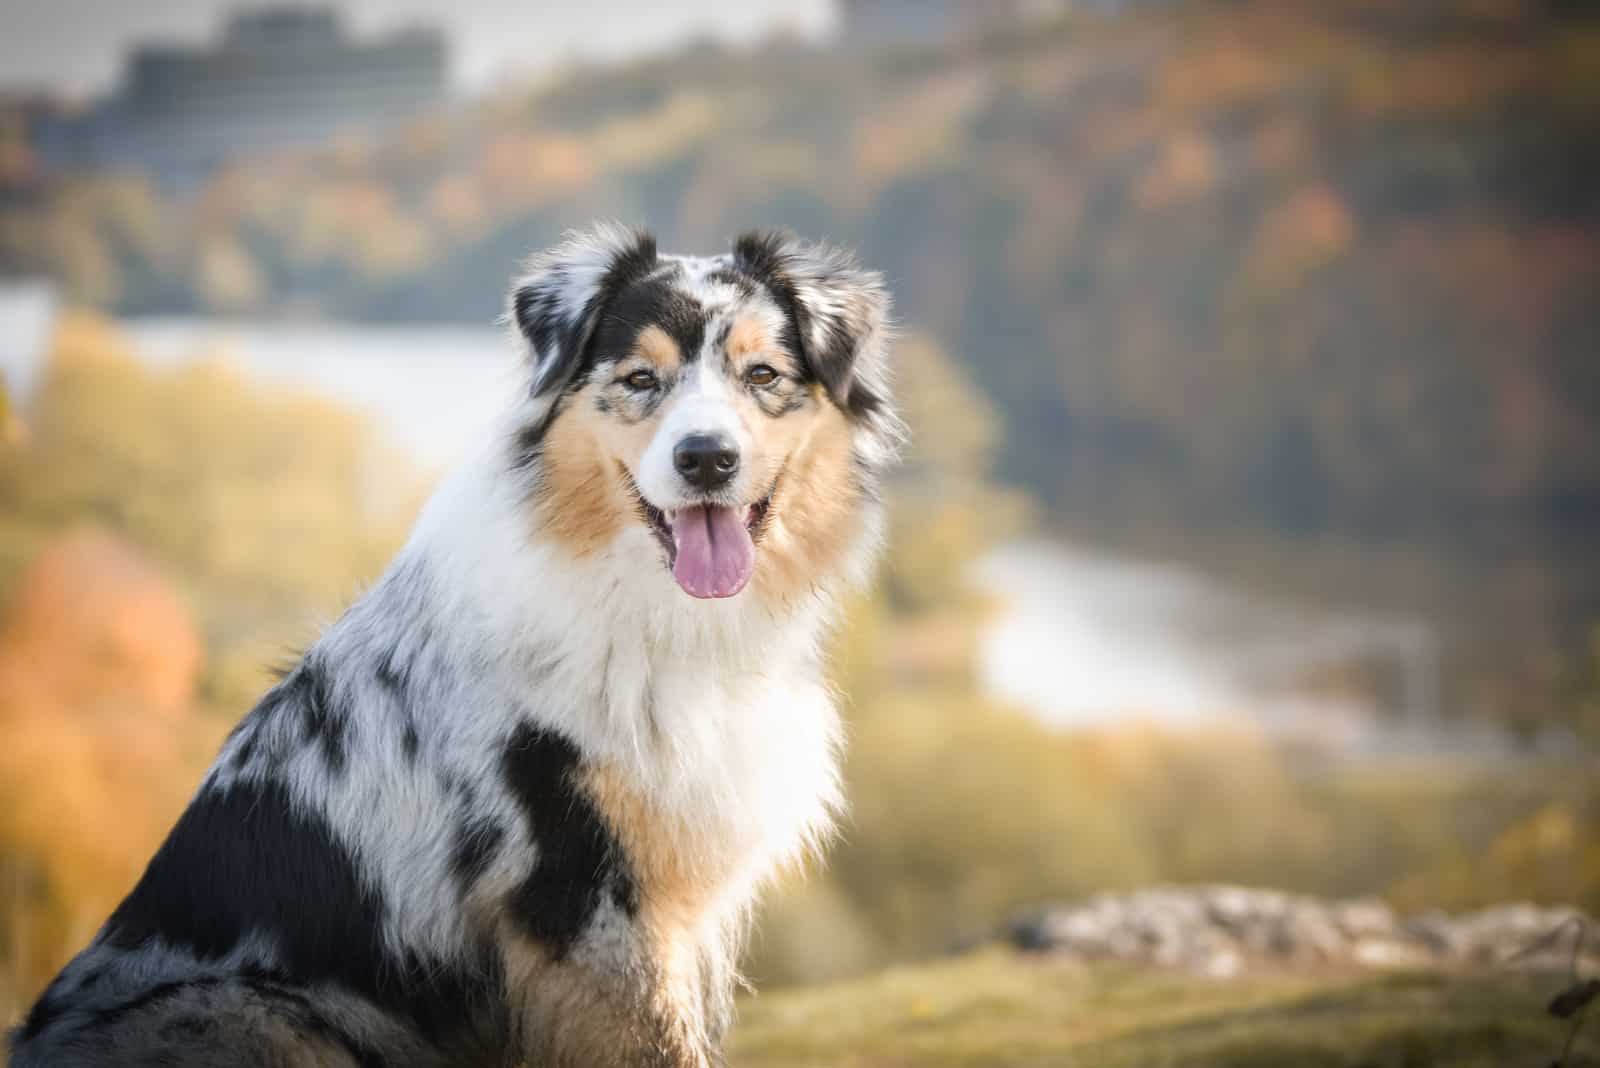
(515, 805)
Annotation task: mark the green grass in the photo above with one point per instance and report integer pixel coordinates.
(996, 1009)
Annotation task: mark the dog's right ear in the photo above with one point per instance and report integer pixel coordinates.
(557, 303)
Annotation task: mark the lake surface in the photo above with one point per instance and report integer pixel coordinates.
(1089, 639)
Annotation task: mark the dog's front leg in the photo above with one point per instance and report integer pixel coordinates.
(578, 1013)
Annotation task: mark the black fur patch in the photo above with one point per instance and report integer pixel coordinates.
(45, 1012)
(188, 1028)
(394, 676)
(247, 748)
(578, 861)
(561, 345)
(560, 342)
(249, 860)
(651, 302)
(477, 843)
(271, 989)
(106, 1018)
(764, 256)
(322, 720)
(564, 346)
(760, 256)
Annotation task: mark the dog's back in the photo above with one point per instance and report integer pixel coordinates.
(254, 937)
(193, 1023)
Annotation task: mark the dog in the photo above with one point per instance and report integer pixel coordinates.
(516, 804)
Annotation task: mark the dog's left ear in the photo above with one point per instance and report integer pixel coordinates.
(837, 311)
(557, 303)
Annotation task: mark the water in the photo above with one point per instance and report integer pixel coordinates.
(1089, 639)
(27, 315)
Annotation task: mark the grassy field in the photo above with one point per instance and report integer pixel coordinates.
(999, 1010)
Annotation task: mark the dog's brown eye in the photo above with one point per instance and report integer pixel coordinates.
(761, 375)
(642, 380)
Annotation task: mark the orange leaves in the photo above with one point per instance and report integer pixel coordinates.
(99, 661)
(1186, 169)
(1312, 228)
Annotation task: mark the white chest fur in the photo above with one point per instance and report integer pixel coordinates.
(713, 720)
(709, 722)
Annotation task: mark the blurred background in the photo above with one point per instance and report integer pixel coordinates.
(1252, 349)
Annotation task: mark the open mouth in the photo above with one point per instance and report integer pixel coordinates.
(710, 548)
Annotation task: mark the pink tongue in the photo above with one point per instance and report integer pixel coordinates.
(715, 553)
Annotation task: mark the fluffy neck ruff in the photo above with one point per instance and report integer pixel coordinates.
(716, 712)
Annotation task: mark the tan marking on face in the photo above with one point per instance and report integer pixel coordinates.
(585, 503)
(815, 512)
(656, 346)
(749, 338)
(582, 504)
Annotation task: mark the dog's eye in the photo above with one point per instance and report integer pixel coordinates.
(642, 380)
(761, 375)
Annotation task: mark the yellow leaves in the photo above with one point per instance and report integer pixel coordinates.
(228, 278)
(954, 428)
(456, 205)
(1186, 169)
(400, 246)
(1542, 853)
(519, 164)
(11, 428)
(1575, 70)
(1232, 66)
(681, 123)
(917, 133)
(1447, 78)
(947, 509)
(361, 223)
(211, 475)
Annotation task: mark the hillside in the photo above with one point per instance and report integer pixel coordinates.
(998, 1009)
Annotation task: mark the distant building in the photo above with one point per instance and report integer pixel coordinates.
(279, 77)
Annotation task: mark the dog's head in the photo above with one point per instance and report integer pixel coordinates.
(733, 408)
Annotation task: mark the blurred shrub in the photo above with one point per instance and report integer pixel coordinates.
(99, 660)
(210, 476)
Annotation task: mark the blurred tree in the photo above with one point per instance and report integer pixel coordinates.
(211, 477)
(99, 661)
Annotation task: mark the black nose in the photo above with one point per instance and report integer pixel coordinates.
(706, 461)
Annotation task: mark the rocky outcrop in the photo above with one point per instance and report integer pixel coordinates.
(1223, 930)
